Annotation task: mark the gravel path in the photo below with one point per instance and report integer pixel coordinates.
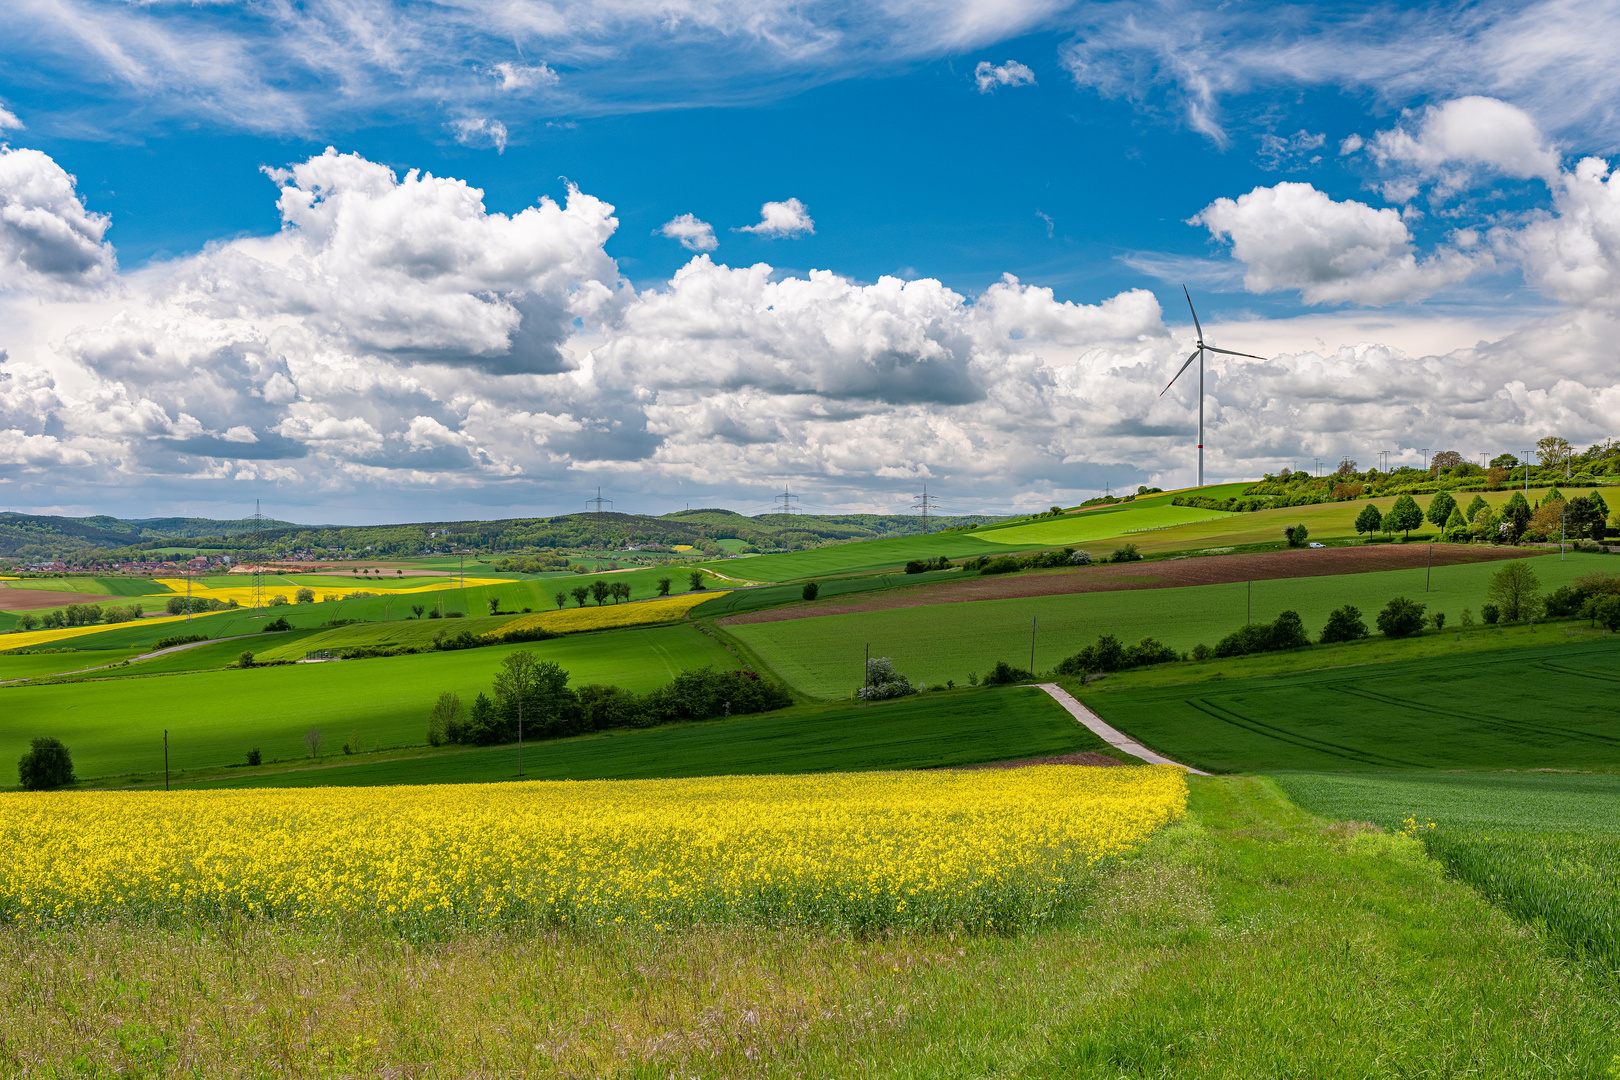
(1107, 732)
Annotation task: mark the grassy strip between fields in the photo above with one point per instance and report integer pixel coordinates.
(1545, 847)
(1251, 940)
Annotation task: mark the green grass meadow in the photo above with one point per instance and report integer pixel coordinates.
(823, 656)
(961, 728)
(1545, 707)
(115, 725)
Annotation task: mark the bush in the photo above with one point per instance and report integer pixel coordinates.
(696, 581)
(1438, 620)
(1516, 591)
(1080, 558)
(1490, 613)
(276, 625)
(1296, 535)
(304, 596)
(1401, 618)
(47, 764)
(178, 639)
(1344, 625)
(1128, 553)
(1003, 564)
(1287, 632)
(811, 590)
(1606, 612)
(1201, 651)
(1564, 602)
(245, 660)
(916, 566)
(883, 682)
(1106, 655)
(254, 757)
(1004, 673)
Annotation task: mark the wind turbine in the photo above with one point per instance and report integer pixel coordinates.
(1198, 354)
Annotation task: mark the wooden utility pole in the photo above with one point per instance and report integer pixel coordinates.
(1428, 574)
(165, 759)
(1032, 646)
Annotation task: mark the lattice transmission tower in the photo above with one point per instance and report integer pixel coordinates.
(925, 502)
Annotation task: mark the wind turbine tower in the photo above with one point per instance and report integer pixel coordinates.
(1198, 354)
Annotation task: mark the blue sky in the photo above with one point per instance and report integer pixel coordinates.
(1390, 207)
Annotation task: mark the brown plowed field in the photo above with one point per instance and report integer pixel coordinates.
(33, 599)
(1171, 574)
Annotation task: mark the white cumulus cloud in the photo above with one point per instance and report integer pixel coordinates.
(1453, 141)
(779, 220)
(694, 234)
(524, 76)
(46, 234)
(988, 76)
(480, 131)
(1292, 236)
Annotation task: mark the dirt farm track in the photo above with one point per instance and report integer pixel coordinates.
(1171, 574)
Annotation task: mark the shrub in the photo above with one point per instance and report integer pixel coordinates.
(245, 660)
(304, 596)
(1490, 613)
(1128, 553)
(1438, 620)
(1150, 651)
(254, 757)
(278, 600)
(1344, 625)
(1201, 651)
(1287, 632)
(1003, 564)
(810, 591)
(276, 626)
(1004, 673)
(178, 639)
(1080, 558)
(1106, 655)
(883, 682)
(1296, 535)
(47, 764)
(1401, 618)
(1564, 602)
(696, 579)
(1606, 611)
(916, 566)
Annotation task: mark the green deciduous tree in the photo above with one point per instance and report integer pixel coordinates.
(1404, 515)
(1516, 516)
(599, 591)
(1440, 508)
(696, 578)
(444, 719)
(1296, 535)
(562, 600)
(580, 593)
(47, 764)
(663, 586)
(1401, 618)
(304, 596)
(1344, 624)
(1515, 591)
(810, 591)
(1370, 520)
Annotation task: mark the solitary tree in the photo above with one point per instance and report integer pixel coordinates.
(1553, 451)
(1344, 625)
(1515, 591)
(312, 739)
(1445, 459)
(663, 586)
(494, 605)
(580, 593)
(1440, 508)
(1404, 515)
(697, 581)
(47, 764)
(1401, 618)
(562, 599)
(1504, 461)
(1369, 520)
(810, 590)
(304, 596)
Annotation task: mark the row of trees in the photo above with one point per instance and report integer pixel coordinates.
(601, 591)
(1553, 517)
(78, 615)
(536, 694)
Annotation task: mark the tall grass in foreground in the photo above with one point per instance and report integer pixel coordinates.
(1545, 848)
(991, 850)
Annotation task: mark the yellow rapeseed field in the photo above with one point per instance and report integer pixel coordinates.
(991, 849)
(610, 616)
(244, 594)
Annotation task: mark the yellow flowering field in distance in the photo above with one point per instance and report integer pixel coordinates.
(982, 850)
(609, 616)
(243, 594)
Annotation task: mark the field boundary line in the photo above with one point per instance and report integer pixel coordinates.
(1107, 732)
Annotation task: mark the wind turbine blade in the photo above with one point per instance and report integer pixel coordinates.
(1229, 352)
(1194, 311)
(1172, 382)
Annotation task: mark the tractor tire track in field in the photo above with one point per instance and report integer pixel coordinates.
(1169, 574)
(1321, 746)
(1503, 724)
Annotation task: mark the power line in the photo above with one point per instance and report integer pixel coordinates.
(787, 499)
